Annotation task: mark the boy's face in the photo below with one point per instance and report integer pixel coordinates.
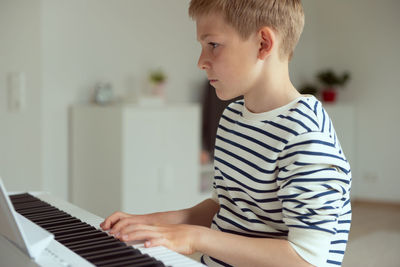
(229, 61)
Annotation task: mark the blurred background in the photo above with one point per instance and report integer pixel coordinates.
(83, 108)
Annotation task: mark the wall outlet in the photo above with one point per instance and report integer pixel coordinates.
(16, 91)
(371, 177)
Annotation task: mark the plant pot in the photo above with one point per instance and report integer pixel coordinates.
(329, 95)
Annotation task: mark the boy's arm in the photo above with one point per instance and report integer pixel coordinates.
(245, 251)
(232, 249)
(201, 214)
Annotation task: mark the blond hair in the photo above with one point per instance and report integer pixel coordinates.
(248, 16)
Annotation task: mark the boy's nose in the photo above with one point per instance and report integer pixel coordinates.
(203, 64)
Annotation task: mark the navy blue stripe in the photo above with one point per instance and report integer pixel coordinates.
(344, 221)
(334, 262)
(254, 204)
(234, 111)
(305, 104)
(304, 219)
(349, 212)
(239, 102)
(226, 176)
(245, 161)
(296, 121)
(289, 196)
(320, 154)
(300, 214)
(343, 231)
(323, 194)
(248, 232)
(305, 115)
(246, 149)
(202, 260)
(238, 189)
(243, 172)
(220, 262)
(302, 188)
(297, 163)
(241, 233)
(315, 107)
(323, 120)
(282, 127)
(309, 142)
(247, 219)
(251, 139)
(339, 242)
(262, 132)
(332, 188)
(346, 203)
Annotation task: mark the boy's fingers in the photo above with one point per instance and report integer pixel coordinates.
(155, 242)
(122, 223)
(140, 235)
(136, 228)
(112, 219)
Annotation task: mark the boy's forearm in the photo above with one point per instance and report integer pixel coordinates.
(201, 214)
(244, 251)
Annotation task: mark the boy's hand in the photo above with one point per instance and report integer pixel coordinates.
(177, 237)
(118, 220)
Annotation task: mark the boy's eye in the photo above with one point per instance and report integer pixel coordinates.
(213, 45)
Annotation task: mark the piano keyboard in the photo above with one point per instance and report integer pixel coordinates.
(77, 231)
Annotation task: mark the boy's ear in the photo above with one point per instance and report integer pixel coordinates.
(266, 38)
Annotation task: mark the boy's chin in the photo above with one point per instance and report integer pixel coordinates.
(226, 97)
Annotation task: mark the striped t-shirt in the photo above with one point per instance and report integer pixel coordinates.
(283, 174)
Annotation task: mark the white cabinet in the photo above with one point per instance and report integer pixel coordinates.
(134, 158)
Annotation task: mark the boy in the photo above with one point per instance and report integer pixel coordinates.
(281, 183)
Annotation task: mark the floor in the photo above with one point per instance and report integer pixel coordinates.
(374, 239)
(374, 236)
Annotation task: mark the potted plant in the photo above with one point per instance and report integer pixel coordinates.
(331, 82)
(157, 80)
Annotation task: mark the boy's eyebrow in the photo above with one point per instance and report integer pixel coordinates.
(204, 36)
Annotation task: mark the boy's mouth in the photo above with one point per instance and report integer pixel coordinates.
(212, 80)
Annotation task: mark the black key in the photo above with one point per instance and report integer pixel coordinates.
(27, 205)
(117, 260)
(45, 214)
(54, 219)
(151, 263)
(61, 236)
(81, 229)
(107, 250)
(21, 196)
(61, 223)
(65, 227)
(93, 240)
(98, 247)
(113, 255)
(35, 210)
(82, 237)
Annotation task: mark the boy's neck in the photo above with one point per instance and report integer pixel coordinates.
(273, 90)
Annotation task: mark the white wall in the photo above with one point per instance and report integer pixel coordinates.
(65, 47)
(20, 132)
(115, 41)
(363, 37)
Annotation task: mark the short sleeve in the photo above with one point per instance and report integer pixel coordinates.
(314, 184)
